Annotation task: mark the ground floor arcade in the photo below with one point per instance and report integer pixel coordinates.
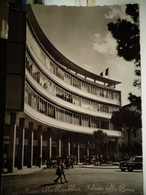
(26, 143)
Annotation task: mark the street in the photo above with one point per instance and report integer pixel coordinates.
(88, 180)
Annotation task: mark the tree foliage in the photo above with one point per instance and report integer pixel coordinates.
(127, 34)
(99, 136)
(135, 101)
(128, 119)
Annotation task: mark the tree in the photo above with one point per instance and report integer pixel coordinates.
(130, 120)
(99, 137)
(135, 101)
(127, 34)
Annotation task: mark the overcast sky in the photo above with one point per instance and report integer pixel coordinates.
(81, 34)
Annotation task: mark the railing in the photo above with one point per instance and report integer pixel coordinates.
(63, 94)
(64, 74)
(41, 105)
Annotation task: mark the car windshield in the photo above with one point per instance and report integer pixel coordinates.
(135, 159)
(132, 158)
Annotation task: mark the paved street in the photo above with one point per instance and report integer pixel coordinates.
(88, 180)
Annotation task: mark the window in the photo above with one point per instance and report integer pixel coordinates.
(94, 123)
(76, 119)
(26, 96)
(98, 91)
(34, 102)
(76, 100)
(101, 92)
(42, 80)
(59, 73)
(52, 67)
(67, 78)
(76, 83)
(84, 87)
(47, 63)
(42, 57)
(107, 94)
(85, 121)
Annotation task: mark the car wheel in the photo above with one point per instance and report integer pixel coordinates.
(130, 168)
(122, 169)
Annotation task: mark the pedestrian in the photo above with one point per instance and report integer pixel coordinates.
(74, 160)
(84, 160)
(67, 162)
(59, 173)
(62, 172)
(72, 165)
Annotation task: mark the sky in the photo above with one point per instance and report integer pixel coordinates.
(81, 34)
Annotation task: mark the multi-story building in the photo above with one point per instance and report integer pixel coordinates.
(53, 105)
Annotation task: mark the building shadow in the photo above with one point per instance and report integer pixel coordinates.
(134, 171)
(49, 184)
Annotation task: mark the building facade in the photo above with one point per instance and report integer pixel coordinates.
(53, 106)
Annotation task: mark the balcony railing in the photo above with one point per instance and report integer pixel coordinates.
(64, 75)
(38, 103)
(63, 94)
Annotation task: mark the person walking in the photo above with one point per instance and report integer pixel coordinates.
(59, 173)
(62, 172)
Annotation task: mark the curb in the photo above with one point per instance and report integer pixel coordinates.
(27, 171)
(104, 166)
(22, 172)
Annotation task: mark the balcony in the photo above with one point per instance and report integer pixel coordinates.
(63, 103)
(51, 122)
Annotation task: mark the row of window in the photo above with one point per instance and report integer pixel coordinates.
(63, 75)
(55, 90)
(41, 105)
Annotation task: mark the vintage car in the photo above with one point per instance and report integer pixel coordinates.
(51, 163)
(134, 163)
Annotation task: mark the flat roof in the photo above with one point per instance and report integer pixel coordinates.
(59, 57)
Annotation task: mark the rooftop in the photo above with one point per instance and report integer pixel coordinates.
(55, 54)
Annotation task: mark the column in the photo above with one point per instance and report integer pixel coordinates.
(78, 149)
(69, 146)
(40, 144)
(12, 143)
(21, 143)
(59, 144)
(49, 144)
(59, 153)
(30, 144)
(116, 145)
(88, 154)
(107, 153)
(87, 146)
(109, 148)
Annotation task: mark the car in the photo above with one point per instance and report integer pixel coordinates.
(51, 163)
(134, 163)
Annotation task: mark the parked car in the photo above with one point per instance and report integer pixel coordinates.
(51, 163)
(134, 163)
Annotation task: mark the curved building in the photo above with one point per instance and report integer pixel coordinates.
(53, 105)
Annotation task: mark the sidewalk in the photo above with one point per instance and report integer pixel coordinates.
(24, 171)
(103, 166)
